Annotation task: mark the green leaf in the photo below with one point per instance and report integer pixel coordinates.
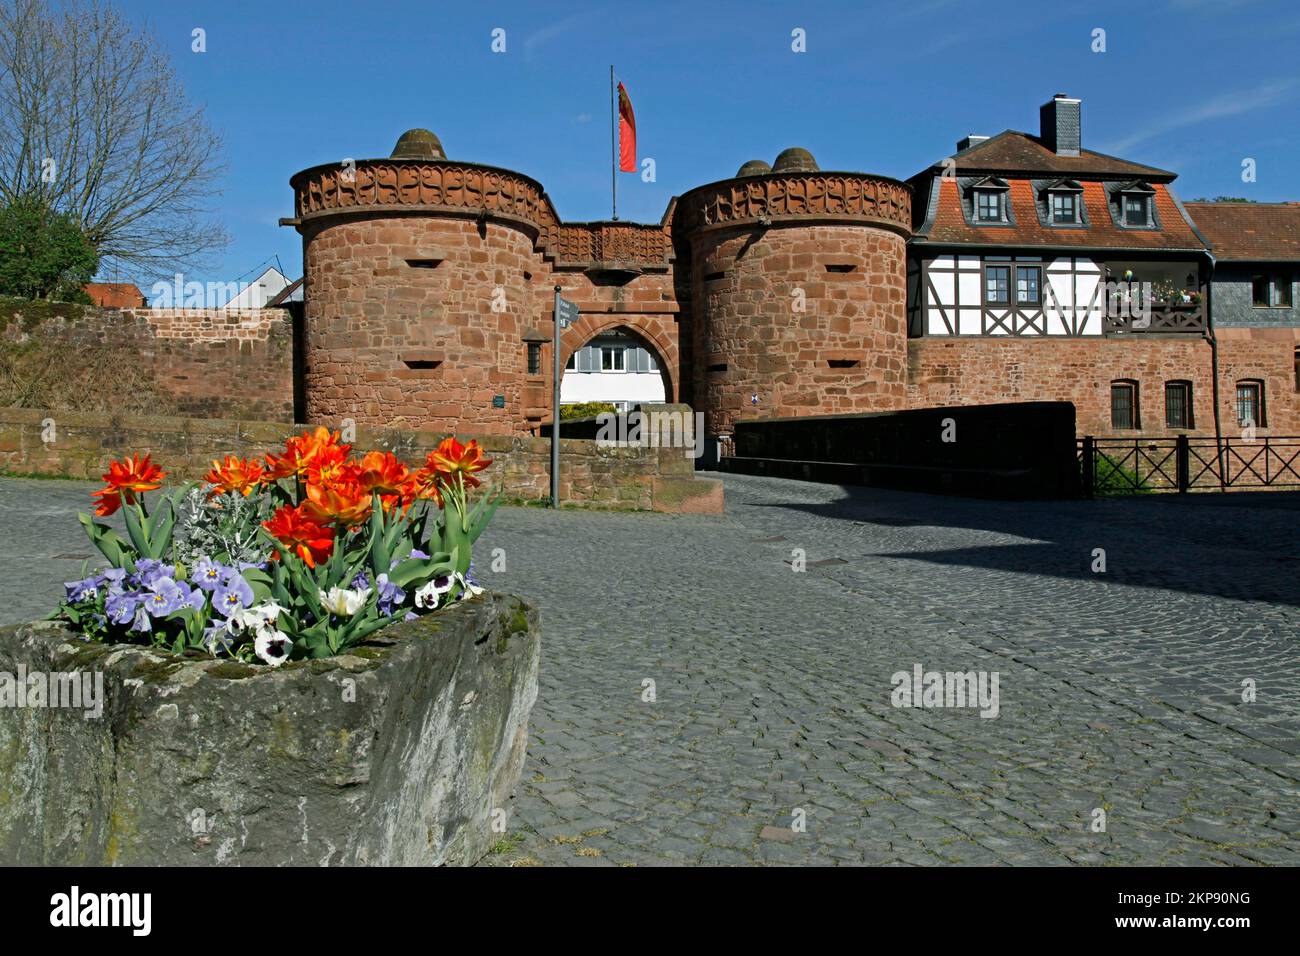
(421, 569)
(109, 543)
(132, 515)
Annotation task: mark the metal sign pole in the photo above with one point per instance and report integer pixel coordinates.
(555, 408)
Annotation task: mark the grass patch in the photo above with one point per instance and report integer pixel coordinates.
(1114, 479)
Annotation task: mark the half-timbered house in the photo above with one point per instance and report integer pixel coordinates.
(1033, 235)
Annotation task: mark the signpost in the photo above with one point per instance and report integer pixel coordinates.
(566, 313)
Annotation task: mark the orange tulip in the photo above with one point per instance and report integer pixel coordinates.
(303, 536)
(383, 472)
(424, 484)
(126, 479)
(451, 458)
(345, 504)
(301, 451)
(235, 474)
(329, 464)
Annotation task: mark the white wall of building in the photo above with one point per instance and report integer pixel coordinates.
(260, 291)
(633, 379)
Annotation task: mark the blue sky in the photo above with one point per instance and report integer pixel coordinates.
(886, 87)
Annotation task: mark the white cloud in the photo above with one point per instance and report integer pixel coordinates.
(1219, 107)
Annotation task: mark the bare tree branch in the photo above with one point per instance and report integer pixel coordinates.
(94, 123)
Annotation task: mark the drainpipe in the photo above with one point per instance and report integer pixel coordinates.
(1214, 367)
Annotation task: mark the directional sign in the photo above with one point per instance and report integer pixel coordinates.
(566, 312)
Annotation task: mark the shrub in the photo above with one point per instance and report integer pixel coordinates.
(43, 254)
(580, 410)
(1114, 479)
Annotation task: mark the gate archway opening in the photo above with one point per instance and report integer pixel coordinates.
(619, 366)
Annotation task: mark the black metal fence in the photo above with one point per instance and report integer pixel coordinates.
(1138, 465)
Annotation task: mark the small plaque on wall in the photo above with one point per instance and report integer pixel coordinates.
(498, 401)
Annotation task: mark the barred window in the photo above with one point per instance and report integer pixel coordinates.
(1250, 403)
(1123, 405)
(1178, 405)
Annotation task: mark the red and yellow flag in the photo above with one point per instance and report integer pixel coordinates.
(626, 132)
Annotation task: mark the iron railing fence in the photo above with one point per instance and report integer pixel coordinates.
(1141, 464)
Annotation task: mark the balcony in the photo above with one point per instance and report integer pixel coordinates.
(1162, 297)
(1156, 316)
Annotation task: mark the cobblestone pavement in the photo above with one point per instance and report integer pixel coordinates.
(1119, 691)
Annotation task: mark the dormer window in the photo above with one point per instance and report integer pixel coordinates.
(1065, 208)
(1062, 203)
(988, 205)
(989, 200)
(1137, 210)
(1135, 206)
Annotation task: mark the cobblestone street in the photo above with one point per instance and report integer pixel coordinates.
(1119, 691)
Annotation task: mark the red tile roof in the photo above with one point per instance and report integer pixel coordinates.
(950, 225)
(115, 295)
(1012, 151)
(1250, 232)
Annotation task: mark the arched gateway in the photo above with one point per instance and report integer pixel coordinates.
(429, 290)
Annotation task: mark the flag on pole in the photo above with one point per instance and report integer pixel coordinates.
(626, 132)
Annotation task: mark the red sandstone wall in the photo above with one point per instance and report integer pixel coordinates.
(646, 306)
(623, 478)
(369, 313)
(969, 371)
(745, 319)
(205, 362)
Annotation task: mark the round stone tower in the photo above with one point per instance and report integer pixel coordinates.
(798, 291)
(419, 289)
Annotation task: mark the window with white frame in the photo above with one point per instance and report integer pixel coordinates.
(1065, 208)
(988, 205)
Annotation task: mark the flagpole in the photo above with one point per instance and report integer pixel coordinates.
(613, 145)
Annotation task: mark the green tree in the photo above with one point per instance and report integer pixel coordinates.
(43, 254)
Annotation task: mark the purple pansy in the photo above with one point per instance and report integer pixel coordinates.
(389, 596)
(121, 606)
(112, 578)
(165, 596)
(209, 575)
(78, 591)
(149, 570)
(234, 594)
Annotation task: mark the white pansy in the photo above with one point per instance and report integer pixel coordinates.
(257, 617)
(427, 596)
(343, 601)
(272, 647)
(470, 589)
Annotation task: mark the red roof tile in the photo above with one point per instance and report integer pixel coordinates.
(950, 224)
(1249, 232)
(115, 295)
(1012, 151)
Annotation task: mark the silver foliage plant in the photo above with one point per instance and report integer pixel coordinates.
(222, 525)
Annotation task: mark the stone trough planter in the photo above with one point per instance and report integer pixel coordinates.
(404, 752)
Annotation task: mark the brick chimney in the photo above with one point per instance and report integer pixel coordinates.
(970, 140)
(1059, 126)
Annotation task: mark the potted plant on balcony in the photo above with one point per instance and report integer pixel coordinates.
(295, 665)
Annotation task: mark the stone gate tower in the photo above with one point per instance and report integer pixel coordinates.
(797, 291)
(429, 286)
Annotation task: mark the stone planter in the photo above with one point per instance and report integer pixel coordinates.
(404, 752)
